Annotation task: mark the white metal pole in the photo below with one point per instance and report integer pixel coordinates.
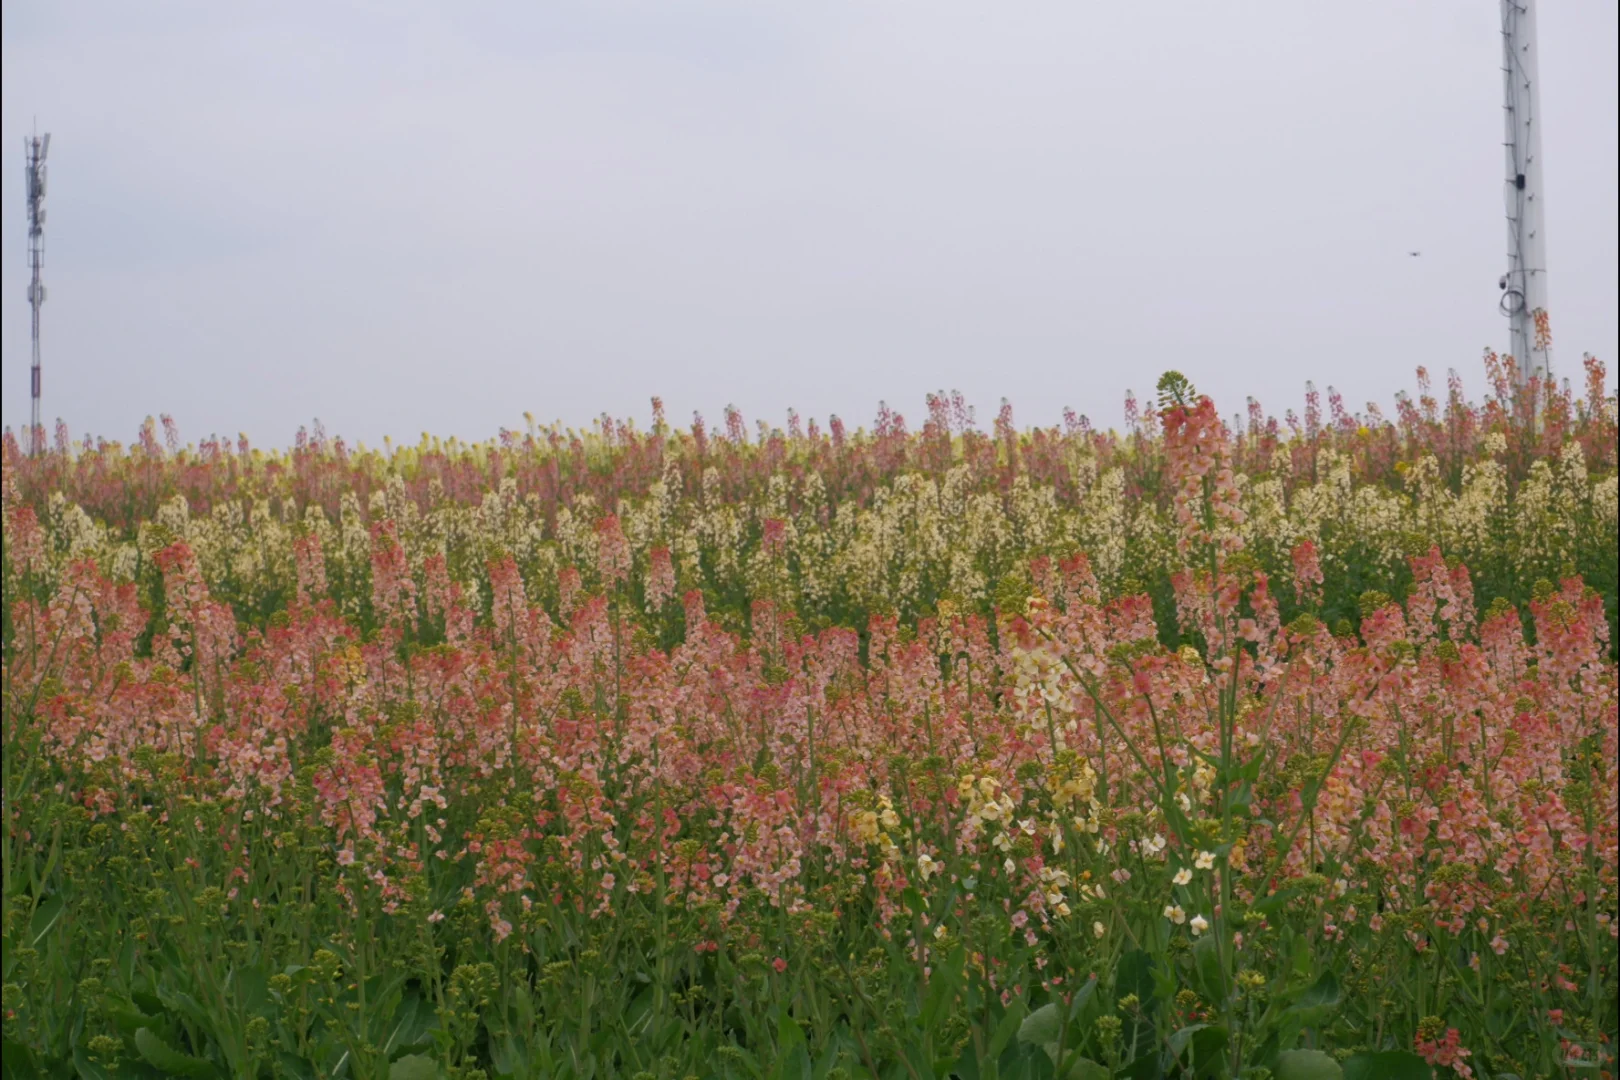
(1524, 288)
(37, 149)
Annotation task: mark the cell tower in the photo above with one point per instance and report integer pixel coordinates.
(1524, 286)
(37, 146)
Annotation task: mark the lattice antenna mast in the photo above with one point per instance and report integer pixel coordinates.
(1524, 286)
(37, 147)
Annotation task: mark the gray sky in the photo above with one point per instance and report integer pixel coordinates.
(403, 216)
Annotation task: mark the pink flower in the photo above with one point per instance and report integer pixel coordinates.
(779, 964)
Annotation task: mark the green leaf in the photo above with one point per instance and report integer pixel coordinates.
(1302, 956)
(1134, 975)
(1306, 1065)
(788, 1034)
(159, 1053)
(127, 1017)
(46, 916)
(1270, 905)
(1145, 1067)
(88, 1070)
(1005, 1030)
(410, 1025)
(17, 1060)
(293, 1066)
(967, 1066)
(1324, 991)
(1041, 1026)
(1083, 996)
(414, 1067)
(1207, 965)
(1083, 1068)
(1205, 1042)
(1389, 1065)
(942, 988)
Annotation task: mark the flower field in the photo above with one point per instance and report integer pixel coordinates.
(1205, 748)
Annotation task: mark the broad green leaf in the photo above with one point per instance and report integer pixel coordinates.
(942, 988)
(1083, 995)
(46, 916)
(410, 1024)
(1306, 1065)
(1389, 1065)
(1006, 1029)
(1270, 905)
(1145, 1067)
(171, 1061)
(1041, 1026)
(1083, 1068)
(1324, 991)
(127, 1017)
(1134, 975)
(1201, 1044)
(88, 1069)
(16, 1060)
(414, 1067)
(967, 1066)
(1180, 1039)
(505, 1055)
(1302, 956)
(1207, 965)
(788, 1034)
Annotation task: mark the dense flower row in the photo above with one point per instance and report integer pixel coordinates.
(549, 775)
(836, 529)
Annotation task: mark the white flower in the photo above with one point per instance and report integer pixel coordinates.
(1099, 929)
(1174, 913)
(1153, 845)
(939, 932)
(1184, 802)
(1199, 924)
(1183, 876)
(1009, 866)
(927, 866)
(1205, 860)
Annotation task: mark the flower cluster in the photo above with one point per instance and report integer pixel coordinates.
(538, 734)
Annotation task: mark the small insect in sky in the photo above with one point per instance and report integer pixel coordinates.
(1415, 254)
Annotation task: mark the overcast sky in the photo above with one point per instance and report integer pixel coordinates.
(403, 216)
